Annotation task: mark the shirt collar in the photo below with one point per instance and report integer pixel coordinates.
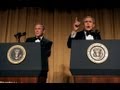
(40, 38)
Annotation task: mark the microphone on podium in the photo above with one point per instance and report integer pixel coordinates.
(18, 35)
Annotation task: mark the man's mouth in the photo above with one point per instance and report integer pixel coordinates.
(88, 26)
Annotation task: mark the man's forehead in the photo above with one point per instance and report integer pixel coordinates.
(38, 26)
(90, 19)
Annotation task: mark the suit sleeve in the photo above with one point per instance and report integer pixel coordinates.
(27, 40)
(69, 42)
(99, 37)
(48, 48)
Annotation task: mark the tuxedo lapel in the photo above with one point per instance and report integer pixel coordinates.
(82, 35)
(43, 41)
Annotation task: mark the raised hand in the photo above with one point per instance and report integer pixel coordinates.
(76, 24)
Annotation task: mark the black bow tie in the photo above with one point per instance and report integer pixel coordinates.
(37, 38)
(89, 32)
(92, 32)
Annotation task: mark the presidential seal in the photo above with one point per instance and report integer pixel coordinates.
(97, 53)
(16, 54)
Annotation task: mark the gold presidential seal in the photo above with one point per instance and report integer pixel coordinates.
(16, 54)
(97, 53)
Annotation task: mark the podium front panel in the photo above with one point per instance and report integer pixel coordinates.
(80, 64)
(30, 66)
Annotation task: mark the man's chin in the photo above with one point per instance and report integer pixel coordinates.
(37, 35)
(88, 29)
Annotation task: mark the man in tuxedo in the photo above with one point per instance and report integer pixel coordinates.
(88, 32)
(46, 45)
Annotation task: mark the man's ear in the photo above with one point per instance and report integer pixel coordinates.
(44, 31)
(93, 25)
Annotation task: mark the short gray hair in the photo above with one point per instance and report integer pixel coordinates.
(89, 17)
(40, 25)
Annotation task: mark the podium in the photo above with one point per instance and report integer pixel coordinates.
(95, 61)
(20, 61)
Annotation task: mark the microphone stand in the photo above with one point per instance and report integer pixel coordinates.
(19, 35)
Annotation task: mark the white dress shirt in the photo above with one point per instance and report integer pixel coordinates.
(38, 40)
(89, 37)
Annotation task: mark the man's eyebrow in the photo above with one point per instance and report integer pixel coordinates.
(88, 20)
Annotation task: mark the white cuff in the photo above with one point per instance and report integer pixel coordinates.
(73, 34)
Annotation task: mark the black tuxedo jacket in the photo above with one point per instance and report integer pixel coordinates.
(45, 52)
(81, 36)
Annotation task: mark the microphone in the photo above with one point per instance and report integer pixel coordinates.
(18, 35)
(23, 34)
(96, 31)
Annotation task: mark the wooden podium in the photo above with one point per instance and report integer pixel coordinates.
(95, 61)
(20, 62)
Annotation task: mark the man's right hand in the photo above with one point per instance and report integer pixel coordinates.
(76, 24)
